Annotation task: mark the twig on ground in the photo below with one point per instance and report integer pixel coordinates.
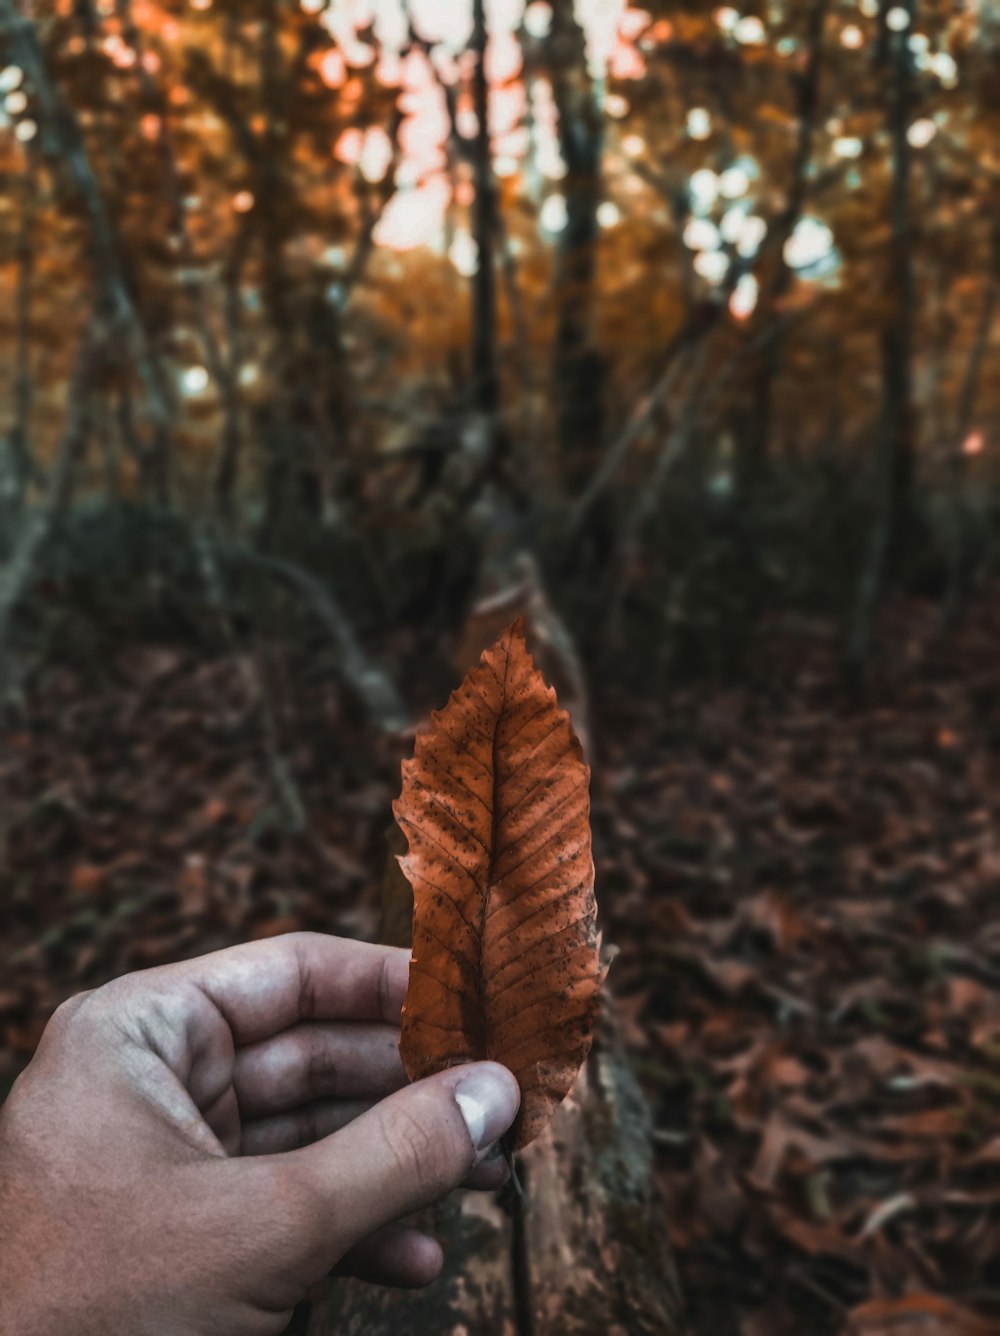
(282, 780)
(367, 679)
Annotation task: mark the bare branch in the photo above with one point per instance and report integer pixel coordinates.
(676, 361)
(282, 780)
(370, 683)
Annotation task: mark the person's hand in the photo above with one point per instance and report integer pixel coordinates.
(195, 1147)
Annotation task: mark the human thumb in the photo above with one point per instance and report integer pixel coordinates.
(411, 1148)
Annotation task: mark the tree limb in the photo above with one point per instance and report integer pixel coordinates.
(370, 683)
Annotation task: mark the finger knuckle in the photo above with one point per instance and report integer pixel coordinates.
(322, 1075)
(308, 983)
(70, 1014)
(421, 1152)
(385, 1008)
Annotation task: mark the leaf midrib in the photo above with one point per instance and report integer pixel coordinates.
(494, 833)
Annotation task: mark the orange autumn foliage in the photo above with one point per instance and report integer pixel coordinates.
(496, 810)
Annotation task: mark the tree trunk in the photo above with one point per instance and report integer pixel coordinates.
(64, 146)
(579, 367)
(21, 455)
(485, 372)
(37, 527)
(753, 457)
(958, 555)
(895, 457)
(897, 352)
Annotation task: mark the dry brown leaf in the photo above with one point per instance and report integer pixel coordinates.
(496, 811)
(918, 1315)
(87, 879)
(784, 1140)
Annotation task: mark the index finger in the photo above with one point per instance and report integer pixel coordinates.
(261, 988)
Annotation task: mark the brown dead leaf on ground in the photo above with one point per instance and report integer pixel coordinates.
(917, 1315)
(826, 1014)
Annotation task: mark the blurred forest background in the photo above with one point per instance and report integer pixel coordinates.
(337, 333)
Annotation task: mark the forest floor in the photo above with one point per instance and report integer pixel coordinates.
(805, 896)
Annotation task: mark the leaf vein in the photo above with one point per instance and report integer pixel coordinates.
(533, 791)
(515, 1016)
(517, 733)
(464, 749)
(530, 757)
(526, 890)
(451, 777)
(455, 904)
(426, 974)
(554, 1033)
(436, 1025)
(456, 818)
(560, 829)
(543, 964)
(420, 830)
(468, 965)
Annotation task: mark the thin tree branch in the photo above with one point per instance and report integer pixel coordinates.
(370, 683)
(283, 783)
(676, 361)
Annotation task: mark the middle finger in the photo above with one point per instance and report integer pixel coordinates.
(317, 1060)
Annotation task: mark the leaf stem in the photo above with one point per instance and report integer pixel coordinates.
(508, 1154)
